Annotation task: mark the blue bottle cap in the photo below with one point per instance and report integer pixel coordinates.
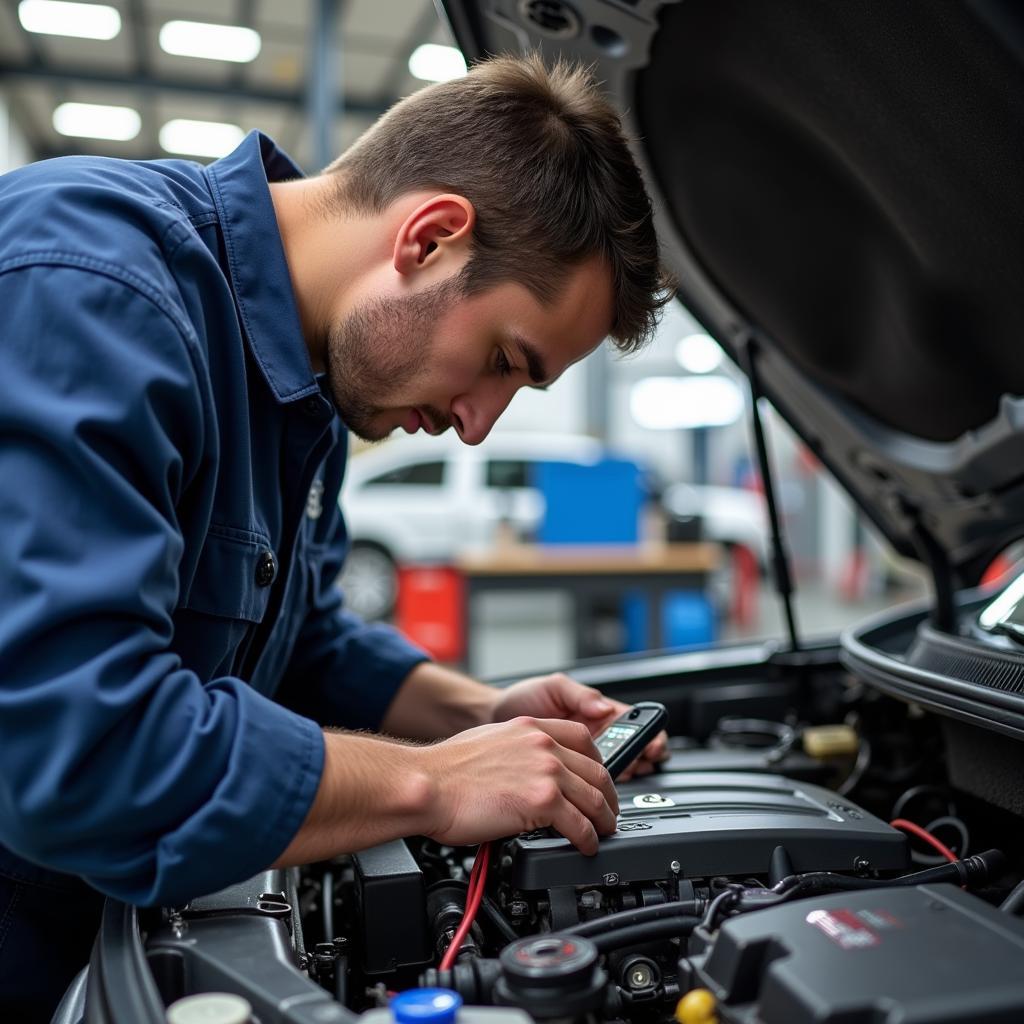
(426, 1006)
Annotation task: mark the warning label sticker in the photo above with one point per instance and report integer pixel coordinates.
(851, 929)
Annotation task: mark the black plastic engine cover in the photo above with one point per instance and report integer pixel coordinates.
(713, 823)
(882, 956)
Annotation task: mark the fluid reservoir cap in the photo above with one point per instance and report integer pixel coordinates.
(550, 960)
(697, 1007)
(426, 1006)
(210, 1008)
(551, 976)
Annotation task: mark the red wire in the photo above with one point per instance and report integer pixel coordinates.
(474, 897)
(925, 835)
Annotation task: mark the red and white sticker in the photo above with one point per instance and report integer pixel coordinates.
(851, 929)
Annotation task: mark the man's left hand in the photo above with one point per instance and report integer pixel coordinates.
(558, 696)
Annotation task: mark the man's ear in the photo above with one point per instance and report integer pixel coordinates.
(435, 229)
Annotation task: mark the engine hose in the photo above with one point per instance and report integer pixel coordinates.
(474, 980)
(626, 918)
(1015, 901)
(968, 872)
(327, 899)
(651, 931)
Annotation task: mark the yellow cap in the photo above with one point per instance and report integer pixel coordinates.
(697, 1007)
(830, 741)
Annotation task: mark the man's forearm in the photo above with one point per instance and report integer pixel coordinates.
(371, 791)
(486, 782)
(435, 702)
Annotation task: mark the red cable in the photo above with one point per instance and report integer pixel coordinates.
(474, 897)
(924, 835)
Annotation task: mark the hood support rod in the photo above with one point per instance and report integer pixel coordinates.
(781, 571)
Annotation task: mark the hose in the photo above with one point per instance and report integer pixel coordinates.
(628, 918)
(651, 931)
(1015, 901)
(968, 872)
(327, 899)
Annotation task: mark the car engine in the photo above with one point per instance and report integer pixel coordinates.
(772, 871)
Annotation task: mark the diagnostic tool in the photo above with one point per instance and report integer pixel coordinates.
(621, 743)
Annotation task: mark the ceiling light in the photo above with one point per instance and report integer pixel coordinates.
(210, 42)
(200, 138)
(95, 121)
(681, 403)
(434, 63)
(60, 18)
(699, 353)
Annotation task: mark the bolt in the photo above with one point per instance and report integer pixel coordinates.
(611, 878)
(675, 867)
(862, 865)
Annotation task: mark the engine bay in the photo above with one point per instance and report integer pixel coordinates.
(772, 871)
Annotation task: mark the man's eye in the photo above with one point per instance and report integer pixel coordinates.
(502, 365)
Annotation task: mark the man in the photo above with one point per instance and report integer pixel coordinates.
(179, 343)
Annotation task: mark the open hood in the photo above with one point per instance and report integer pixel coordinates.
(840, 189)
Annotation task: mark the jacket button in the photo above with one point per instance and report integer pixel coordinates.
(266, 569)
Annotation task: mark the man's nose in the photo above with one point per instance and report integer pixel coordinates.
(475, 414)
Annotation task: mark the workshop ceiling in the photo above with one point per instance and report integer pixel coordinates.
(373, 42)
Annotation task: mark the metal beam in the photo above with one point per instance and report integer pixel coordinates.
(19, 111)
(138, 23)
(324, 81)
(12, 72)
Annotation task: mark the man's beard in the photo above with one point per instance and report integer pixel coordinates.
(376, 352)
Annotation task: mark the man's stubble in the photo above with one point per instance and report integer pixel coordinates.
(376, 353)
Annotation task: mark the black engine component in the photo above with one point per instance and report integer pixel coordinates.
(701, 824)
(906, 955)
(389, 889)
(551, 976)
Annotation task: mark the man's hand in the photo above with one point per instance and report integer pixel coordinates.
(517, 776)
(558, 696)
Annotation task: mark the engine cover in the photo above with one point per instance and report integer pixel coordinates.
(701, 824)
(886, 956)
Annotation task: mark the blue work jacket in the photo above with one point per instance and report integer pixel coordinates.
(170, 635)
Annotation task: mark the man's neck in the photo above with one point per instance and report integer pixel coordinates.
(326, 254)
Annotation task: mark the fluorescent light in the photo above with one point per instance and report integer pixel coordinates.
(60, 18)
(699, 353)
(681, 403)
(95, 121)
(210, 42)
(200, 138)
(434, 63)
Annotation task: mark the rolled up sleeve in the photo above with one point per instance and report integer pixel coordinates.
(117, 763)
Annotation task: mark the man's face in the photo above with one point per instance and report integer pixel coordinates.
(436, 358)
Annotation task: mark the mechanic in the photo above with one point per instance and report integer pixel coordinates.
(184, 351)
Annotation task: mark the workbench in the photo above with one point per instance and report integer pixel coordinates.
(591, 574)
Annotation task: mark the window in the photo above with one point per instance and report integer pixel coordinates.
(506, 473)
(415, 473)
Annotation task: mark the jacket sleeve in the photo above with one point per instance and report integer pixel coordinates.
(344, 671)
(116, 763)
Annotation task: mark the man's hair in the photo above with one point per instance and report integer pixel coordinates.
(543, 158)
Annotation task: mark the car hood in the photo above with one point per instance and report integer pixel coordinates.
(839, 189)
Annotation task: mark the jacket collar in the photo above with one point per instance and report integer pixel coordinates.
(259, 272)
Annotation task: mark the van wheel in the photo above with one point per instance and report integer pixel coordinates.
(369, 580)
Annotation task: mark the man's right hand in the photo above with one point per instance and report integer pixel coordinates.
(517, 776)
